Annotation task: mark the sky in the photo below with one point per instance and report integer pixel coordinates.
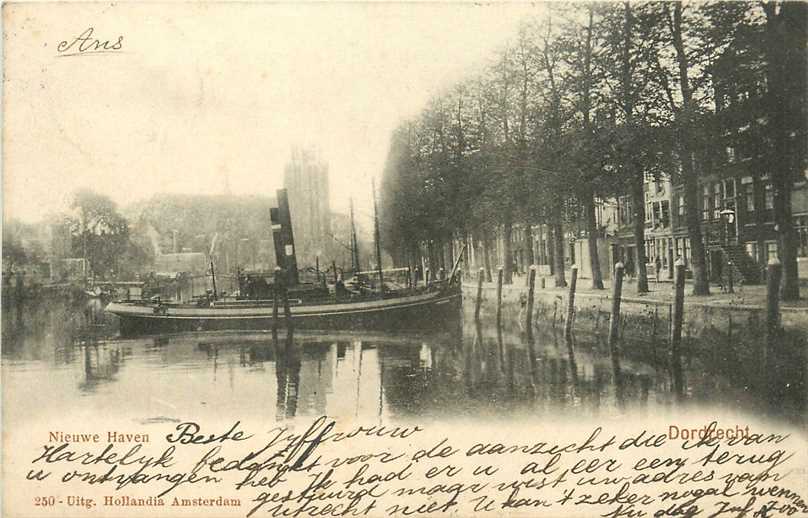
(204, 95)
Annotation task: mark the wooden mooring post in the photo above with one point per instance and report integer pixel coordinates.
(479, 302)
(287, 311)
(677, 319)
(614, 319)
(499, 294)
(571, 302)
(276, 293)
(531, 285)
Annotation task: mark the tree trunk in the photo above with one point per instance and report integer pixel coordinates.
(638, 202)
(486, 256)
(760, 200)
(701, 284)
(592, 242)
(541, 259)
(507, 249)
(785, 63)
(450, 252)
(558, 252)
(550, 249)
(529, 255)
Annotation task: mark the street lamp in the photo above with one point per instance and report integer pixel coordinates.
(727, 218)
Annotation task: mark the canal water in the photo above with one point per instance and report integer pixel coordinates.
(62, 356)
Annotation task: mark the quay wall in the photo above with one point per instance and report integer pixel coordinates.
(645, 318)
(731, 339)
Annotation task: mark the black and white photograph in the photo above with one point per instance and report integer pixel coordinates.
(403, 259)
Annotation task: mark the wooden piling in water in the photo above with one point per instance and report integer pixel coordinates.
(614, 320)
(479, 302)
(531, 285)
(276, 293)
(677, 319)
(499, 294)
(773, 275)
(287, 311)
(571, 302)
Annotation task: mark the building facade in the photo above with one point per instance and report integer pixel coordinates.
(306, 182)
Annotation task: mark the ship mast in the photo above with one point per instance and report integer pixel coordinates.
(376, 238)
(354, 244)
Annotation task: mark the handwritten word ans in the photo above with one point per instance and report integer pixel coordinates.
(189, 434)
(84, 43)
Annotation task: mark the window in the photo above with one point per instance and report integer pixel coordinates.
(665, 213)
(771, 250)
(730, 154)
(717, 200)
(729, 188)
(801, 226)
(686, 249)
(624, 212)
(751, 250)
(681, 205)
(750, 197)
(707, 203)
(769, 197)
(648, 212)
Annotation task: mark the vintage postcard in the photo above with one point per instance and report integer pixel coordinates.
(404, 259)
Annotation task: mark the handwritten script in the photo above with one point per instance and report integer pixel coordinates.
(85, 43)
(321, 469)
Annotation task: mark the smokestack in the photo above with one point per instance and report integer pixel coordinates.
(283, 238)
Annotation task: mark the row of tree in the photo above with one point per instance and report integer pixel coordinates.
(124, 242)
(583, 104)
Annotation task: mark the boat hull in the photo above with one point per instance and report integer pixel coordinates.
(415, 312)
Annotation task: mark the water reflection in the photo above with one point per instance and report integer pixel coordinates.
(467, 371)
(101, 364)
